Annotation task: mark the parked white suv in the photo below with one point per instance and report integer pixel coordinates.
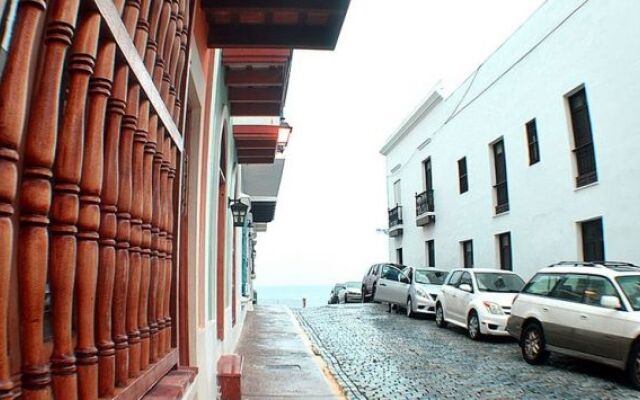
(478, 300)
(589, 310)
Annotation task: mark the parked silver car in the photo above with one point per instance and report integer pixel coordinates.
(370, 280)
(414, 289)
(338, 294)
(424, 288)
(353, 292)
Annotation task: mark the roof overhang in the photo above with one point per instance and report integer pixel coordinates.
(257, 80)
(263, 211)
(256, 144)
(303, 24)
(434, 98)
(262, 183)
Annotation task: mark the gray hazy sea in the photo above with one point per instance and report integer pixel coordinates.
(316, 295)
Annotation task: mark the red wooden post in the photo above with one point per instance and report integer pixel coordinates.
(65, 206)
(89, 222)
(108, 232)
(33, 249)
(154, 294)
(14, 89)
(147, 276)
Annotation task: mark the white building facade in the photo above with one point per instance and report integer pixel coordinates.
(532, 159)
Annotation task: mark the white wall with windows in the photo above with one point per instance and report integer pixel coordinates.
(538, 74)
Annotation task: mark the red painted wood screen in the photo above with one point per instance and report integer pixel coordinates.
(91, 98)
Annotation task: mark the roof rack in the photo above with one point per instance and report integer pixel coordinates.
(598, 264)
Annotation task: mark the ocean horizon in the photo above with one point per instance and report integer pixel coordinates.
(292, 295)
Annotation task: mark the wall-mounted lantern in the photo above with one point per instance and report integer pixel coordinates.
(283, 135)
(239, 210)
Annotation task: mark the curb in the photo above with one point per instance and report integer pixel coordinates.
(350, 389)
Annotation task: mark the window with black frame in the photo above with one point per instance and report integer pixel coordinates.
(500, 166)
(583, 139)
(592, 240)
(504, 246)
(467, 253)
(431, 253)
(532, 142)
(463, 180)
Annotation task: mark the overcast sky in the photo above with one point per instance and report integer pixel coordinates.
(343, 105)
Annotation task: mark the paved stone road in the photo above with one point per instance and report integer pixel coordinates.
(377, 355)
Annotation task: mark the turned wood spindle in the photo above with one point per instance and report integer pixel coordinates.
(152, 46)
(65, 205)
(123, 237)
(33, 247)
(87, 291)
(145, 127)
(108, 232)
(170, 243)
(14, 88)
(155, 133)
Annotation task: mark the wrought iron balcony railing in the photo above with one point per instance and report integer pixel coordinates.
(395, 216)
(424, 202)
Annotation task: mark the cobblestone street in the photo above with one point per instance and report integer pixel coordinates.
(377, 355)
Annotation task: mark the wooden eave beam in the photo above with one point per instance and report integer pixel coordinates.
(299, 5)
(261, 36)
(256, 109)
(255, 77)
(255, 95)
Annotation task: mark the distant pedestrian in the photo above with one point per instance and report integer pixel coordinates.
(304, 302)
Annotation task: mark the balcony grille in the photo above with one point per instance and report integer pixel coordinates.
(395, 216)
(424, 202)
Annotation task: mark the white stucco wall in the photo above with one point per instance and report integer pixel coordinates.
(564, 45)
(207, 347)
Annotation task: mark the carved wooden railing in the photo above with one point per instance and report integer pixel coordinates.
(91, 101)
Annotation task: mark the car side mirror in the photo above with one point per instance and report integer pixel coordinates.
(612, 302)
(403, 279)
(465, 287)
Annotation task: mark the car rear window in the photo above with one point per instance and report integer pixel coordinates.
(631, 287)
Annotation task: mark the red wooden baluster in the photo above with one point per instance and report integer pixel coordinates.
(14, 89)
(108, 232)
(170, 243)
(65, 206)
(160, 39)
(152, 45)
(121, 281)
(133, 297)
(147, 169)
(180, 69)
(33, 248)
(154, 294)
(89, 224)
(164, 185)
(123, 237)
(166, 55)
(108, 222)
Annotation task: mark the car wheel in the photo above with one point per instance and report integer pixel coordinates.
(389, 309)
(373, 293)
(473, 326)
(410, 313)
(533, 345)
(440, 322)
(633, 366)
